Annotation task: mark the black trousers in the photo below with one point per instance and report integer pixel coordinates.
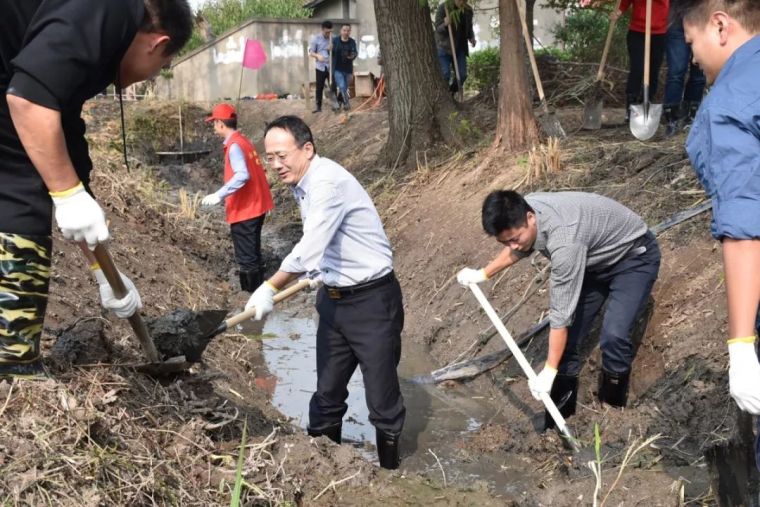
(625, 287)
(636, 61)
(359, 330)
(246, 238)
(322, 76)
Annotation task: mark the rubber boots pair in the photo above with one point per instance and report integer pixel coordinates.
(387, 443)
(564, 394)
(332, 432)
(250, 280)
(613, 388)
(24, 283)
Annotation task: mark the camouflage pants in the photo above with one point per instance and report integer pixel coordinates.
(24, 283)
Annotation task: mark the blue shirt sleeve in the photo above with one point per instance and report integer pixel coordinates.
(240, 170)
(731, 172)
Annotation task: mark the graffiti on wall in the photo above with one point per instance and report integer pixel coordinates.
(232, 52)
(287, 46)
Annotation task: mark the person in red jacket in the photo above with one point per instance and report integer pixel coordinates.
(636, 41)
(245, 193)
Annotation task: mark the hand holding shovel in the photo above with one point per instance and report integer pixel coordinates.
(517, 353)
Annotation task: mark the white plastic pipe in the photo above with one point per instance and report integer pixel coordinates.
(517, 353)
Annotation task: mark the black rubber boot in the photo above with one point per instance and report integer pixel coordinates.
(613, 388)
(690, 109)
(332, 432)
(250, 280)
(387, 449)
(24, 283)
(629, 101)
(564, 394)
(671, 114)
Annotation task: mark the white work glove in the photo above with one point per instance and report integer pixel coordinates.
(79, 216)
(124, 307)
(262, 299)
(542, 383)
(315, 282)
(468, 275)
(211, 200)
(744, 376)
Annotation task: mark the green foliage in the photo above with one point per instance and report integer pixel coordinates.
(464, 128)
(553, 53)
(224, 15)
(597, 443)
(584, 33)
(235, 500)
(483, 68)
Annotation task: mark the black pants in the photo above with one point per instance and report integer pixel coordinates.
(322, 76)
(636, 61)
(625, 287)
(359, 330)
(246, 238)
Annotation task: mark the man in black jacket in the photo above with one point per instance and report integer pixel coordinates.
(55, 55)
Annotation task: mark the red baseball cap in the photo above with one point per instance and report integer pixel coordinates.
(222, 112)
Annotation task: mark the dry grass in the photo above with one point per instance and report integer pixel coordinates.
(95, 437)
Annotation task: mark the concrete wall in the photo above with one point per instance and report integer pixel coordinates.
(486, 24)
(213, 72)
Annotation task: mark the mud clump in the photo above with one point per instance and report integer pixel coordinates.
(81, 343)
(178, 334)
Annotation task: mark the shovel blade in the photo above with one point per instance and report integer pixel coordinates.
(592, 115)
(549, 122)
(209, 320)
(645, 119)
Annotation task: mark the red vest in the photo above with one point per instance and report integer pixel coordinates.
(253, 199)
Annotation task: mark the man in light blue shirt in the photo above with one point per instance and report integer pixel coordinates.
(360, 308)
(724, 148)
(319, 49)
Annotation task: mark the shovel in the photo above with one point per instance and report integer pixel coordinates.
(548, 121)
(183, 336)
(460, 90)
(592, 113)
(645, 118)
(518, 355)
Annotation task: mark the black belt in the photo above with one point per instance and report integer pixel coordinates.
(341, 292)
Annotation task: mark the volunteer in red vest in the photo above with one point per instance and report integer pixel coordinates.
(245, 194)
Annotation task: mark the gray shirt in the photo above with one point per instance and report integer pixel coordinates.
(580, 232)
(343, 236)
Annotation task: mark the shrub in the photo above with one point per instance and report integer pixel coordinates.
(483, 68)
(583, 35)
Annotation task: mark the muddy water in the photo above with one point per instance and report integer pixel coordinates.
(438, 422)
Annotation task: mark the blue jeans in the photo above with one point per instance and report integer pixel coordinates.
(679, 55)
(447, 62)
(341, 82)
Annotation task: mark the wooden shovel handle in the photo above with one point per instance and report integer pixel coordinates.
(647, 47)
(607, 43)
(105, 261)
(454, 58)
(280, 296)
(529, 48)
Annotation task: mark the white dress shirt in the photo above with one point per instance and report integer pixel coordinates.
(343, 236)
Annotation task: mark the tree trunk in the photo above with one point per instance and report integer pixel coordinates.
(421, 109)
(516, 128)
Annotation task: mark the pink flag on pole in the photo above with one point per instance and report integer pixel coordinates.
(254, 56)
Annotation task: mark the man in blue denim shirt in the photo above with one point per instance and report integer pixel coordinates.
(724, 148)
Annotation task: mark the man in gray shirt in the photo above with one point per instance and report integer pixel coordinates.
(320, 46)
(599, 251)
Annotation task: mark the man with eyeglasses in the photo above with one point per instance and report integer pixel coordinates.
(600, 251)
(245, 194)
(360, 306)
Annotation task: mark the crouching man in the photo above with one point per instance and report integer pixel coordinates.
(599, 251)
(360, 308)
